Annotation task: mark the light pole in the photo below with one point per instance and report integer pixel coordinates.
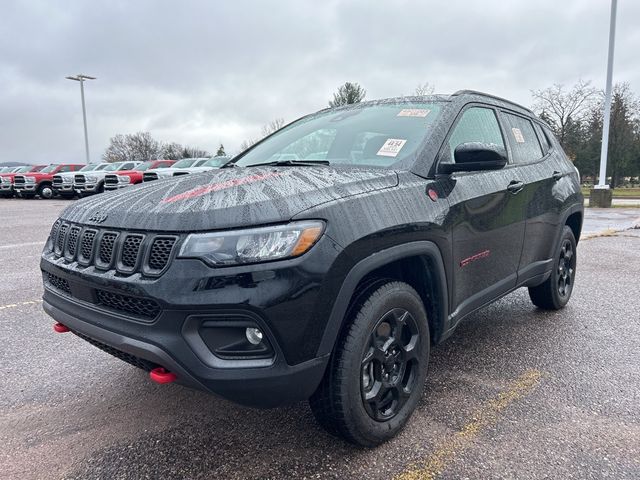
(602, 180)
(81, 78)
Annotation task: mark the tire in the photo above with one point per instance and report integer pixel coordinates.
(382, 355)
(45, 191)
(555, 292)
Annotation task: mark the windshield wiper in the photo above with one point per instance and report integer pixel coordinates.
(291, 163)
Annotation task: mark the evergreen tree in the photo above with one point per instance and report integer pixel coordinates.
(347, 94)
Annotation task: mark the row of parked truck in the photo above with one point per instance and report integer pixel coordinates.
(70, 179)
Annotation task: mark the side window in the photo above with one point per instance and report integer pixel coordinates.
(163, 165)
(477, 124)
(544, 140)
(523, 140)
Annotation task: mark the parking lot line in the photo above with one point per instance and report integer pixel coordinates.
(18, 245)
(486, 416)
(19, 304)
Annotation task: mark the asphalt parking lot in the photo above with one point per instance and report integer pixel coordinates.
(516, 393)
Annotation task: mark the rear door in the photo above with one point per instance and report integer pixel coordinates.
(486, 213)
(537, 168)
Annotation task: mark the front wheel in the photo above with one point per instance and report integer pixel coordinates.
(375, 377)
(45, 191)
(555, 293)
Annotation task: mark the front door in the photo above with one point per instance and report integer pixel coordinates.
(486, 216)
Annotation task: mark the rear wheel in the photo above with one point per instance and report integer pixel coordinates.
(555, 293)
(376, 374)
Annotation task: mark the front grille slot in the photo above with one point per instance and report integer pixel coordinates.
(72, 243)
(18, 180)
(58, 283)
(105, 251)
(131, 250)
(60, 238)
(79, 179)
(161, 252)
(86, 246)
(141, 307)
(57, 180)
(148, 177)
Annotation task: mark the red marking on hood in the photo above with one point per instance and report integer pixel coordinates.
(214, 187)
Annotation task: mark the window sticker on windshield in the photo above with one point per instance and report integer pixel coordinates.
(413, 112)
(517, 134)
(391, 147)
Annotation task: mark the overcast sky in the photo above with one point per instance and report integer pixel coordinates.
(204, 72)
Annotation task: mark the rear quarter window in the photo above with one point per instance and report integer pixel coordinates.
(522, 138)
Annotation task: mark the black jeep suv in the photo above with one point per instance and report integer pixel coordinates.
(325, 261)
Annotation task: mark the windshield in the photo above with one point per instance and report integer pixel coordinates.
(375, 134)
(89, 168)
(215, 162)
(143, 166)
(49, 169)
(111, 167)
(185, 163)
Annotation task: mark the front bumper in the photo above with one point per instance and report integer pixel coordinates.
(278, 297)
(118, 186)
(6, 188)
(26, 188)
(63, 188)
(87, 187)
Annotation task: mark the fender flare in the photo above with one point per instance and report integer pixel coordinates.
(373, 262)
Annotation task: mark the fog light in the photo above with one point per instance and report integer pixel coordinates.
(254, 335)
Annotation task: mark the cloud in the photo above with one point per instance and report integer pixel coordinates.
(201, 73)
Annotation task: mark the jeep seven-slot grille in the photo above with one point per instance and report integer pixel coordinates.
(106, 249)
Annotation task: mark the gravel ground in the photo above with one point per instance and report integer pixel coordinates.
(515, 393)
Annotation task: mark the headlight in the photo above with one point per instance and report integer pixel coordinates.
(254, 244)
(123, 179)
(91, 178)
(29, 180)
(67, 180)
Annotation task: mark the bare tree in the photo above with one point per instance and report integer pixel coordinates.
(267, 129)
(194, 152)
(171, 151)
(272, 126)
(424, 89)
(347, 94)
(140, 146)
(561, 107)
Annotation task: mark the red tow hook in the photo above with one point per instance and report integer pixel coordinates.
(60, 328)
(162, 375)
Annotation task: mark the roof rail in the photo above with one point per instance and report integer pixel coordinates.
(495, 97)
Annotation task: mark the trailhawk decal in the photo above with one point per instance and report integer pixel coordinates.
(198, 192)
(473, 258)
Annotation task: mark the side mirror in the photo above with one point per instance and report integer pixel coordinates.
(473, 157)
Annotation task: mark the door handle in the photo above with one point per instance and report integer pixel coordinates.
(557, 175)
(515, 186)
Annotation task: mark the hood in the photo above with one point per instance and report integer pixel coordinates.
(226, 198)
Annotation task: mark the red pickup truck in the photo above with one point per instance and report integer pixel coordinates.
(124, 178)
(6, 179)
(28, 185)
